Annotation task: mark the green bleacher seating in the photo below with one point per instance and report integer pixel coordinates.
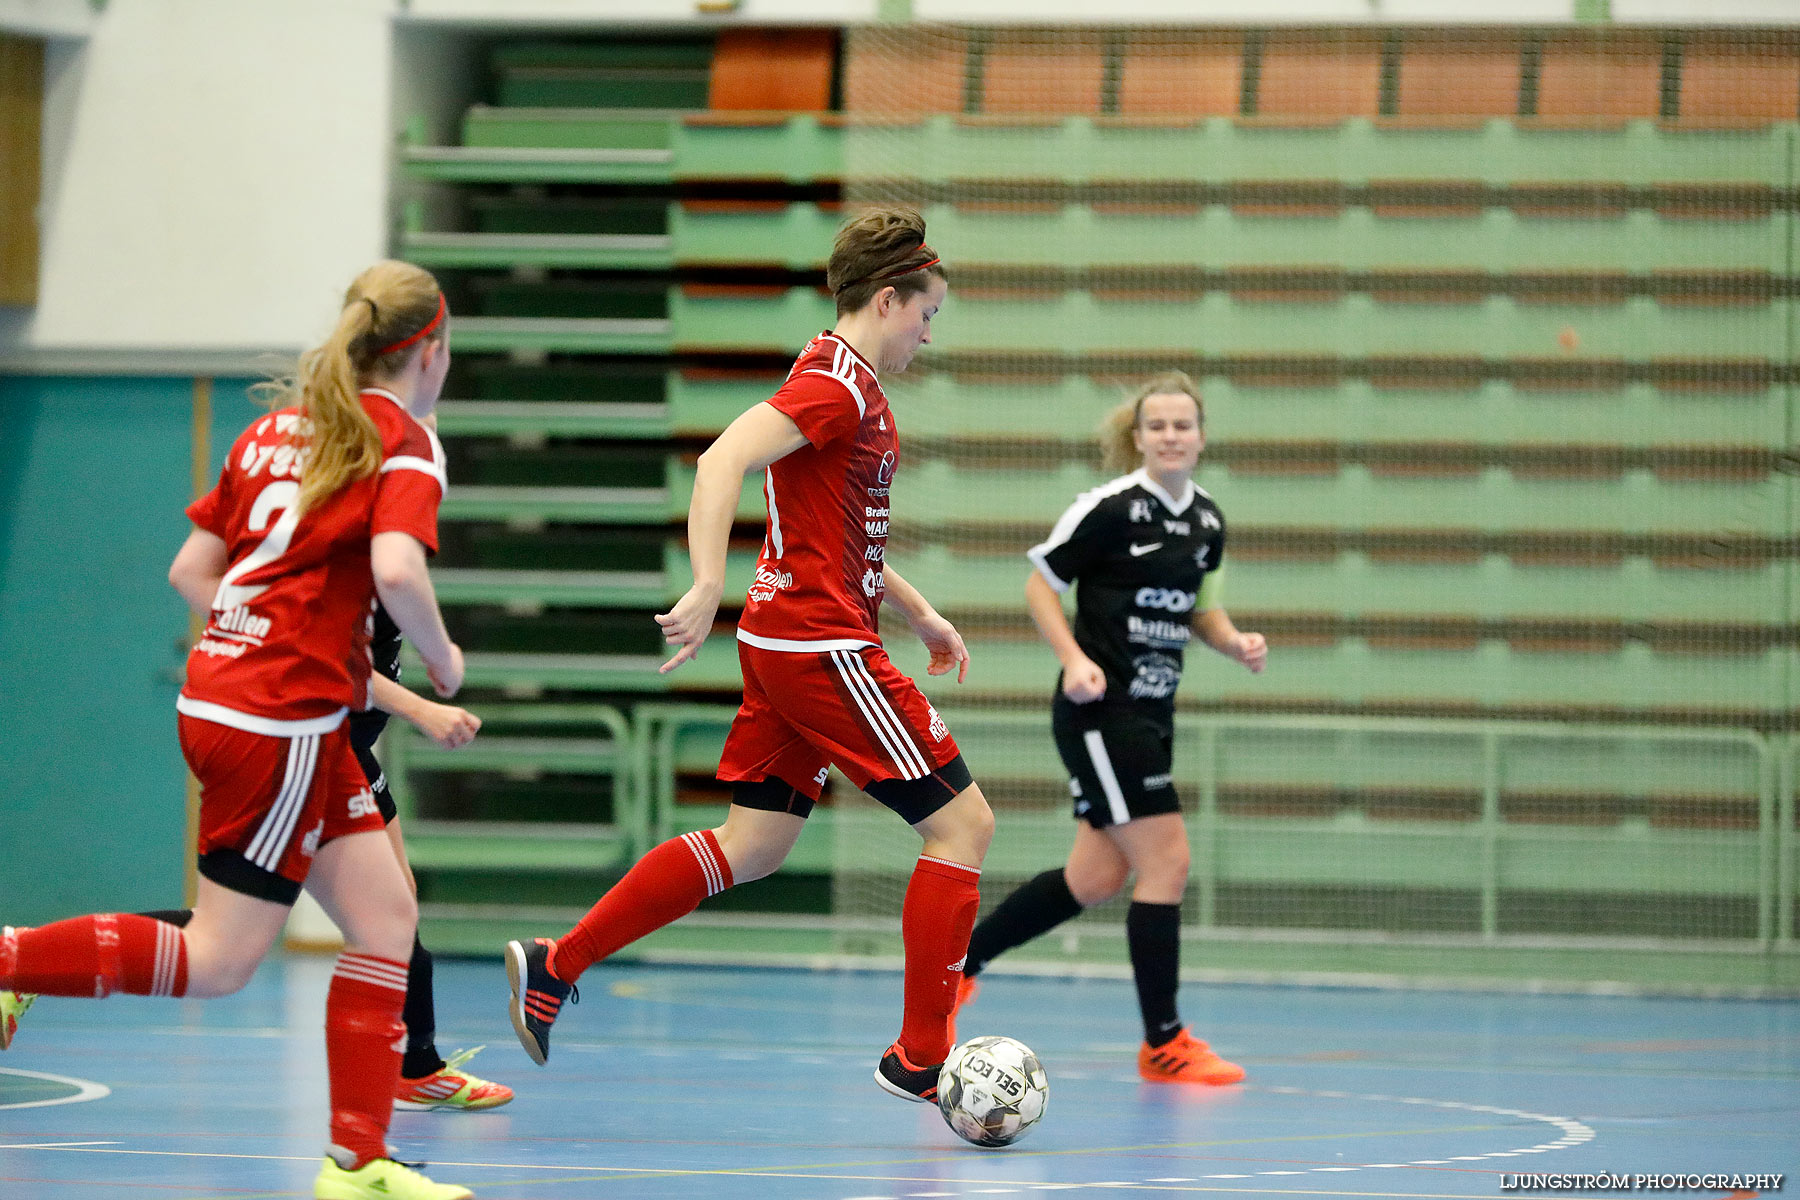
(1445, 231)
(1498, 410)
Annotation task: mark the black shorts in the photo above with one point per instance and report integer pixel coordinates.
(1118, 761)
(912, 799)
(384, 799)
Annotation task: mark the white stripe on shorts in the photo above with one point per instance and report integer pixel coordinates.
(1109, 782)
(298, 805)
(894, 735)
(272, 837)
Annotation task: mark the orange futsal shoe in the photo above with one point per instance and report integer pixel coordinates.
(966, 990)
(452, 1087)
(1185, 1059)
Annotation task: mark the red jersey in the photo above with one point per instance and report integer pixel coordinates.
(819, 578)
(286, 649)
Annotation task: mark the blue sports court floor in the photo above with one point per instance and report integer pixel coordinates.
(714, 1082)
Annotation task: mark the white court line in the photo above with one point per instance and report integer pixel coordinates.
(85, 1089)
(1574, 1132)
(55, 1145)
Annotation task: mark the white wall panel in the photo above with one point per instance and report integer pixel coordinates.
(215, 172)
(47, 18)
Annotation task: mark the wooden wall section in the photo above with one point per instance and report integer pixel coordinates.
(21, 126)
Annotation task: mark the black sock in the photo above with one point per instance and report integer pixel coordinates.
(171, 916)
(420, 1015)
(1037, 906)
(1153, 934)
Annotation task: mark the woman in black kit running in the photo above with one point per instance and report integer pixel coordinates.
(1144, 555)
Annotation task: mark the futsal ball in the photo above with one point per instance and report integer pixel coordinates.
(991, 1090)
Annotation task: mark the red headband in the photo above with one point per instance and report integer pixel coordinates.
(895, 274)
(403, 343)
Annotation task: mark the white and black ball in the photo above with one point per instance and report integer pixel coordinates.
(991, 1090)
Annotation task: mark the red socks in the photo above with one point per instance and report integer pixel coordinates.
(95, 956)
(941, 901)
(363, 1038)
(122, 952)
(667, 883)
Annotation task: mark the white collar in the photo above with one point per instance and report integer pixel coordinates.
(1155, 489)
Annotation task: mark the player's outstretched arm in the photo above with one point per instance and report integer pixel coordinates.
(1083, 680)
(198, 567)
(757, 438)
(939, 635)
(404, 585)
(447, 725)
(1216, 630)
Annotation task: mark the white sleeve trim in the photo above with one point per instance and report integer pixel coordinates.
(843, 369)
(406, 462)
(1072, 517)
(1039, 559)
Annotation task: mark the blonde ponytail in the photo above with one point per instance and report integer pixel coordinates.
(343, 444)
(388, 310)
(1118, 446)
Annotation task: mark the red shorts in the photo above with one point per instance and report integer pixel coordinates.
(851, 709)
(268, 803)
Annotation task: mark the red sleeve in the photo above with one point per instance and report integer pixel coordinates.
(411, 484)
(823, 406)
(406, 501)
(208, 512)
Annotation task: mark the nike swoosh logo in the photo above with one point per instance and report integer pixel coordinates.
(1138, 551)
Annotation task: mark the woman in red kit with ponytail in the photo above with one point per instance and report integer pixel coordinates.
(325, 504)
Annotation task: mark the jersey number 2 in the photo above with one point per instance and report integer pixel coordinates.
(279, 495)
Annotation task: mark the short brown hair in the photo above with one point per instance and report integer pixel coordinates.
(880, 248)
(1118, 451)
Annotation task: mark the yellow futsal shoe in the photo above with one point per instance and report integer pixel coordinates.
(451, 1087)
(380, 1179)
(12, 1007)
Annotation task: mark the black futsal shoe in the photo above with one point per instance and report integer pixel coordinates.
(537, 995)
(898, 1075)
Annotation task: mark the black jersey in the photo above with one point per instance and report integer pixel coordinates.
(1138, 556)
(384, 650)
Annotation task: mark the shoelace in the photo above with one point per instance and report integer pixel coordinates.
(456, 1061)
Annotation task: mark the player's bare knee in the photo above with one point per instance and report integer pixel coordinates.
(212, 973)
(979, 835)
(752, 852)
(383, 928)
(1163, 878)
(1093, 885)
(975, 820)
(751, 859)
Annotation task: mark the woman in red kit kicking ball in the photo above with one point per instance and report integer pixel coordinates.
(818, 687)
(322, 506)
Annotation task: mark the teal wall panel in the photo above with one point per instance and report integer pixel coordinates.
(94, 473)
